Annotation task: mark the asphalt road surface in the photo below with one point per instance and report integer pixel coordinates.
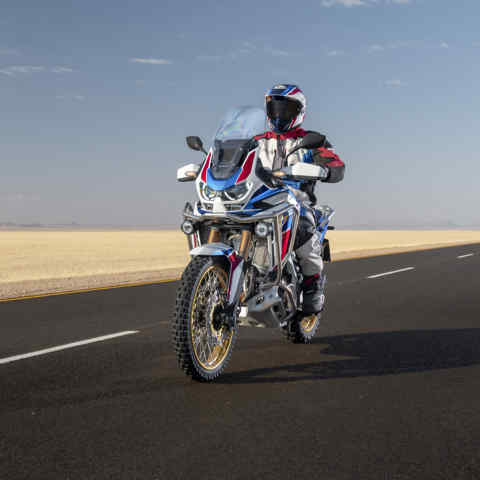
(389, 389)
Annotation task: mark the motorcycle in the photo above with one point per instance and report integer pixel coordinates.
(241, 233)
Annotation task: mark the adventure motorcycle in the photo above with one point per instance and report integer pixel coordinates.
(241, 235)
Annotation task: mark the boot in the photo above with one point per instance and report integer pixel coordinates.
(313, 288)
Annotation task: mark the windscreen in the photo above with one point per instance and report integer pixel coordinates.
(231, 141)
(241, 123)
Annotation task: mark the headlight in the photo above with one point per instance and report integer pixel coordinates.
(237, 192)
(207, 192)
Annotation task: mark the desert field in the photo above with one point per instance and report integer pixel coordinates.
(34, 262)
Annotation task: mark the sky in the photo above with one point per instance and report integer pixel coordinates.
(96, 98)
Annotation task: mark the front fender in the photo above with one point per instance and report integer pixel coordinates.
(212, 250)
(235, 262)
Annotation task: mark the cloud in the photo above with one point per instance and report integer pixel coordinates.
(78, 98)
(278, 53)
(14, 70)
(61, 70)
(395, 83)
(249, 46)
(376, 48)
(402, 44)
(335, 53)
(444, 45)
(363, 3)
(151, 61)
(345, 3)
(9, 51)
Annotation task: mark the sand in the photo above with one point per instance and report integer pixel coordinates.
(36, 262)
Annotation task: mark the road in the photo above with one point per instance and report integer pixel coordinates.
(389, 389)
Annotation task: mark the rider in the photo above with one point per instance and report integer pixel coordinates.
(285, 106)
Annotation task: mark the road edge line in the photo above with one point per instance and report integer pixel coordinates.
(86, 290)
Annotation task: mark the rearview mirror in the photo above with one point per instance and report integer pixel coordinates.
(195, 143)
(310, 141)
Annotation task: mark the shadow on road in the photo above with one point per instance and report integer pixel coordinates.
(134, 373)
(386, 353)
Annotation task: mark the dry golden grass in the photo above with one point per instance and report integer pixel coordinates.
(35, 255)
(35, 261)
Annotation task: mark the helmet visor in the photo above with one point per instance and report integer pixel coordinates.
(282, 110)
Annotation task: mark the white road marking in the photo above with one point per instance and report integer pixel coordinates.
(391, 273)
(64, 347)
(467, 255)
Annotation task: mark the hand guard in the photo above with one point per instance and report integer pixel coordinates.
(324, 172)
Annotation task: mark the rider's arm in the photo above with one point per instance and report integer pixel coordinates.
(326, 157)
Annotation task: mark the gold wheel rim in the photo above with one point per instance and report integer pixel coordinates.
(308, 323)
(210, 342)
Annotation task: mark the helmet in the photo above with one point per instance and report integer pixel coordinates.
(285, 106)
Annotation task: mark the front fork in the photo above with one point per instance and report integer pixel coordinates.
(234, 261)
(236, 278)
(237, 269)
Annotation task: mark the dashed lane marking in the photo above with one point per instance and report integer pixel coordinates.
(392, 272)
(64, 347)
(467, 255)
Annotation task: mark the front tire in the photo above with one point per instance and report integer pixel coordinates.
(302, 328)
(202, 342)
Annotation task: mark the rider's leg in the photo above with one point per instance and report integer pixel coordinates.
(309, 253)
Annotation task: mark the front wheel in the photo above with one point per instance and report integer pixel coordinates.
(202, 340)
(302, 328)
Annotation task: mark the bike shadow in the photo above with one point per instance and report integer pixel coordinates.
(385, 353)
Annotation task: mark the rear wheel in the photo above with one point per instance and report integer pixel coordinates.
(202, 340)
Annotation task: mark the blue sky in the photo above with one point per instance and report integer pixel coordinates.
(97, 97)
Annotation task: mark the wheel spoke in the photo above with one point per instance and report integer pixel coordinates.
(210, 344)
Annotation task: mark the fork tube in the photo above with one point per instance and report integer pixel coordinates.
(190, 242)
(294, 233)
(278, 248)
(214, 235)
(245, 243)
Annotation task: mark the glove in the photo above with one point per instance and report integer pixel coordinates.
(324, 172)
(266, 176)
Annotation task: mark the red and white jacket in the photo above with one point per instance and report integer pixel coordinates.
(273, 147)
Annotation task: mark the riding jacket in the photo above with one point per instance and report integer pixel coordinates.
(273, 148)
